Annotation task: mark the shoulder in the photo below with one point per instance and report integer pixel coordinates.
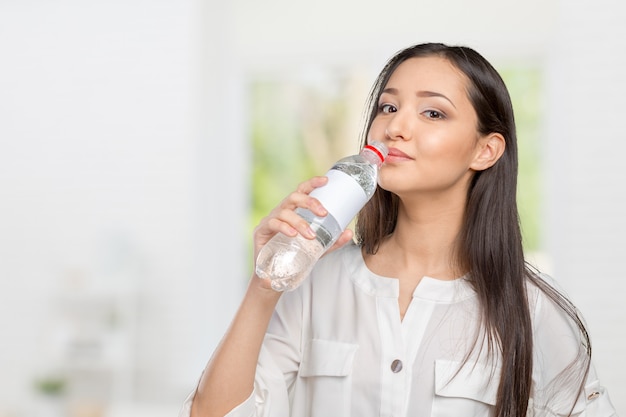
(560, 344)
(546, 297)
(559, 333)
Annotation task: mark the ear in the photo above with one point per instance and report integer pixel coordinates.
(490, 148)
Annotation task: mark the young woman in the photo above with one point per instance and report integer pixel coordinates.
(433, 311)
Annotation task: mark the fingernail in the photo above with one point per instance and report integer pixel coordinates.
(310, 232)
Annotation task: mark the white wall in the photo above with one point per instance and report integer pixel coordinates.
(123, 184)
(585, 190)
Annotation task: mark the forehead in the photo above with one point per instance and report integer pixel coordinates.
(431, 73)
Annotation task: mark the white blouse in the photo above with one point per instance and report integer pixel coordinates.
(336, 347)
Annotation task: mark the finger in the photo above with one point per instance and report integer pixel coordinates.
(309, 185)
(311, 203)
(345, 237)
(284, 221)
(277, 225)
(301, 199)
(290, 223)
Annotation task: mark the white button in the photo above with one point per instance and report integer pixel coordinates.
(396, 366)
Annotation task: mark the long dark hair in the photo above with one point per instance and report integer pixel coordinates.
(489, 246)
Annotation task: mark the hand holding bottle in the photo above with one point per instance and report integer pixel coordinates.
(284, 219)
(287, 258)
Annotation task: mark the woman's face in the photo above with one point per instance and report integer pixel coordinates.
(429, 124)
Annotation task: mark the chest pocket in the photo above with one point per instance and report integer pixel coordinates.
(326, 377)
(469, 390)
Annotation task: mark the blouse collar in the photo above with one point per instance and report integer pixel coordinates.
(429, 289)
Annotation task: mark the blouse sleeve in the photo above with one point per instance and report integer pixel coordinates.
(560, 366)
(277, 366)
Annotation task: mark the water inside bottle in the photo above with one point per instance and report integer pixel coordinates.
(290, 263)
(363, 173)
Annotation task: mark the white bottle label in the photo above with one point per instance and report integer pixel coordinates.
(342, 196)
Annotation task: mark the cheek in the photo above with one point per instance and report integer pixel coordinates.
(448, 146)
(388, 181)
(376, 130)
(438, 146)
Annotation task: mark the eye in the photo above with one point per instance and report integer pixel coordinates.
(434, 114)
(387, 108)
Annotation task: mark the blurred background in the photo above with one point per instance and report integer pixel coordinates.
(140, 142)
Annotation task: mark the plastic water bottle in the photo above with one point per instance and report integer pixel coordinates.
(285, 260)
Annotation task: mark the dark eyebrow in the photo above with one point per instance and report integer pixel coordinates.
(433, 94)
(394, 91)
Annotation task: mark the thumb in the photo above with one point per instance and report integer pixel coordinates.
(345, 237)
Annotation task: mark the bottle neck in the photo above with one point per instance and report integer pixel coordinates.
(373, 155)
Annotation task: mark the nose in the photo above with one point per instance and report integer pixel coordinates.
(399, 127)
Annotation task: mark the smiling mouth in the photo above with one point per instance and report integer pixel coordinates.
(396, 154)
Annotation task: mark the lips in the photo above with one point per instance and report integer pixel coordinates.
(396, 154)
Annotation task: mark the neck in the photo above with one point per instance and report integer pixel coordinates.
(425, 238)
